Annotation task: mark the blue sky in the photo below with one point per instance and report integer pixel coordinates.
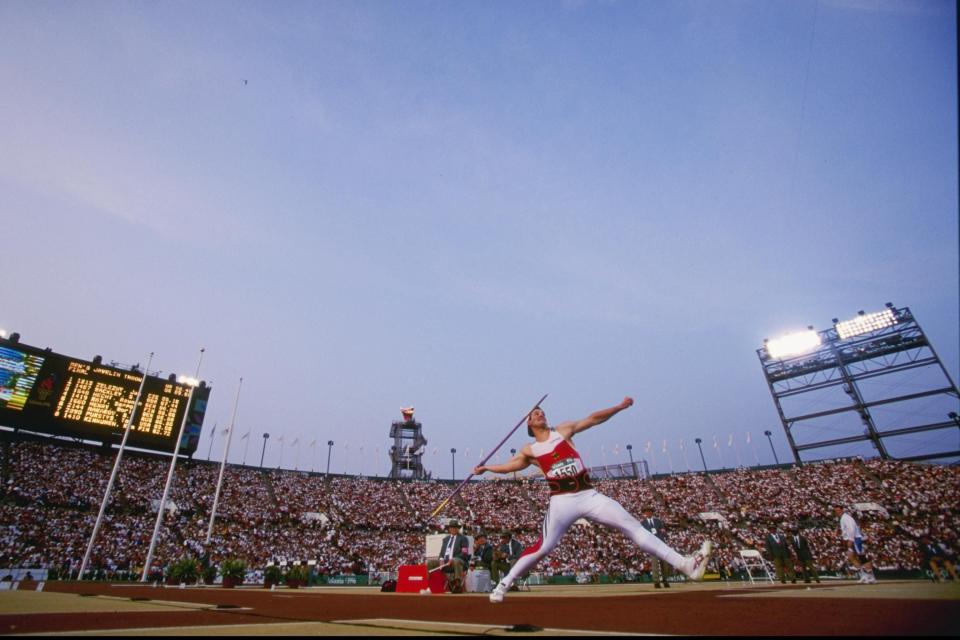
(460, 206)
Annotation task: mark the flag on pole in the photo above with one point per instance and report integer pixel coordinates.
(312, 443)
(756, 458)
(647, 448)
(664, 449)
(716, 445)
(296, 441)
(730, 440)
(245, 436)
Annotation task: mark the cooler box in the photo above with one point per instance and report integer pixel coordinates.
(438, 582)
(412, 578)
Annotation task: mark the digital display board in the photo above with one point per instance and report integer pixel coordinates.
(51, 393)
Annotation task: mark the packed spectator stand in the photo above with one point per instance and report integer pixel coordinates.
(52, 490)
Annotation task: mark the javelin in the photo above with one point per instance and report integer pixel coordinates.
(490, 455)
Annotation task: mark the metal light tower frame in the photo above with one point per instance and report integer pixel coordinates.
(846, 357)
(406, 454)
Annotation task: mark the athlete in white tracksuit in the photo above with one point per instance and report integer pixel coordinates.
(573, 497)
(853, 540)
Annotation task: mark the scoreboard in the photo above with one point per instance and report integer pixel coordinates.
(51, 393)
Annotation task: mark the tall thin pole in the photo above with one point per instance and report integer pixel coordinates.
(453, 463)
(329, 449)
(173, 465)
(768, 434)
(632, 463)
(266, 436)
(213, 436)
(702, 459)
(223, 465)
(116, 467)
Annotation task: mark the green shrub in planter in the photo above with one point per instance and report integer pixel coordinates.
(297, 575)
(233, 571)
(209, 574)
(271, 575)
(185, 570)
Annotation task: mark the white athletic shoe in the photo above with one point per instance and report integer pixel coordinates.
(698, 561)
(497, 594)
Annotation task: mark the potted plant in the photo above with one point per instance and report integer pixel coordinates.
(209, 574)
(183, 571)
(297, 576)
(271, 576)
(233, 571)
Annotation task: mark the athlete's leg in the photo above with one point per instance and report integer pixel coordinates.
(562, 512)
(609, 512)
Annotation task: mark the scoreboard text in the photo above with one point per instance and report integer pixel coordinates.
(47, 392)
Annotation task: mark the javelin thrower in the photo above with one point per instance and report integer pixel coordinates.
(572, 497)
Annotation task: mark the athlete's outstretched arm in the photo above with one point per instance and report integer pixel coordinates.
(567, 429)
(516, 463)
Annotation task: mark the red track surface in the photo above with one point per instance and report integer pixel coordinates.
(691, 613)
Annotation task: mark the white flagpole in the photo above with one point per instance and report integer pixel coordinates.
(213, 435)
(669, 459)
(716, 445)
(684, 450)
(246, 445)
(753, 448)
(313, 456)
(173, 465)
(282, 440)
(116, 467)
(223, 466)
(736, 450)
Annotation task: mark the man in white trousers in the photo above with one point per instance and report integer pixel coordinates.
(572, 497)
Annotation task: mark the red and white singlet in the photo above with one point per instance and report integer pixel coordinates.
(561, 464)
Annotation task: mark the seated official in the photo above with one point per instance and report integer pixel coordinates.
(454, 552)
(505, 554)
(482, 552)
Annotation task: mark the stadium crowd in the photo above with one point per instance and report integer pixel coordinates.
(52, 490)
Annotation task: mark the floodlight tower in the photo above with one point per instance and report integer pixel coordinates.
(841, 368)
(409, 444)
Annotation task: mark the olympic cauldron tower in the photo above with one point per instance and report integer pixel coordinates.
(409, 444)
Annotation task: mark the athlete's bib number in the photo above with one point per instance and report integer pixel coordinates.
(564, 469)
